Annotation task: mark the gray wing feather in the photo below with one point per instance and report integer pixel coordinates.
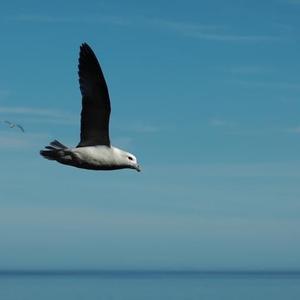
(96, 109)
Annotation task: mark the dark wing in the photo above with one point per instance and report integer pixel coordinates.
(21, 127)
(95, 100)
(7, 122)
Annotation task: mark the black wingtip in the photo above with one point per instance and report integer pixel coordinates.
(85, 47)
(85, 52)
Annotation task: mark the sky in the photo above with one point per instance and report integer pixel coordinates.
(206, 94)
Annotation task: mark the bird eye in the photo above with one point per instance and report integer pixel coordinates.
(130, 158)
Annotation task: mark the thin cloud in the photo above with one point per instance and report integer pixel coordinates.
(138, 127)
(126, 142)
(18, 140)
(288, 169)
(248, 70)
(13, 142)
(216, 122)
(264, 84)
(293, 1)
(33, 114)
(144, 128)
(211, 32)
(294, 130)
(198, 31)
(30, 111)
(36, 18)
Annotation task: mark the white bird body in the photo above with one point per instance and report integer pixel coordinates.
(103, 157)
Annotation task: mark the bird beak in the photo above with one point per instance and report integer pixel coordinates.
(137, 167)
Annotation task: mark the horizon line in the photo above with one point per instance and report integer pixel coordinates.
(150, 272)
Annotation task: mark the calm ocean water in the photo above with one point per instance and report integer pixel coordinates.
(126, 285)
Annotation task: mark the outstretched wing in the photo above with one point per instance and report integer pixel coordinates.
(20, 127)
(95, 100)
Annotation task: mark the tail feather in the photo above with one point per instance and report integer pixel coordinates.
(48, 154)
(54, 151)
(58, 145)
(50, 148)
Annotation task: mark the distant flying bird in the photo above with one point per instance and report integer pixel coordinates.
(12, 125)
(94, 150)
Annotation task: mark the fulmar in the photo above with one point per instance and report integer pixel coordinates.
(94, 151)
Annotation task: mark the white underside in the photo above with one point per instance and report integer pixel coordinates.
(100, 155)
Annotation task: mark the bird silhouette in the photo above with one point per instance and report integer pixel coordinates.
(13, 125)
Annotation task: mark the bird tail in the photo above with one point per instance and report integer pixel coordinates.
(54, 151)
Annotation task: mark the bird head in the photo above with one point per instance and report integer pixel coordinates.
(132, 162)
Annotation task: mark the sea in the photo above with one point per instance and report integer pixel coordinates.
(149, 285)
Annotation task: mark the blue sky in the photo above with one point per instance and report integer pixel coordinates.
(205, 93)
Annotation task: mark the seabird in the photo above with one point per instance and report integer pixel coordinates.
(12, 125)
(94, 151)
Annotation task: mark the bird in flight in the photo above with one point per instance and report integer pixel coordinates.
(94, 151)
(12, 125)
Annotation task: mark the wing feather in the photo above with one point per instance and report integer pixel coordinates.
(96, 109)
